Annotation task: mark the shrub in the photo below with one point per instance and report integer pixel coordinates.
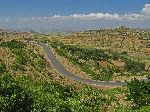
(2, 68)
(124, 53)
(148, 76)
(16, 66)
(115, 56)
(27, 94)
(139, 92)
(134, 66)
(144, 109)
(14, 98)
(81, 53)
(13, 44)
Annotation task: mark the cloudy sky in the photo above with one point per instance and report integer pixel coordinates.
(74, 15)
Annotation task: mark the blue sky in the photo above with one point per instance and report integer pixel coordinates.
(80, 14)
(29, 8)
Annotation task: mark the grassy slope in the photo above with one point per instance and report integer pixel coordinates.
(43, 95)
(46, 93)
(100, 64)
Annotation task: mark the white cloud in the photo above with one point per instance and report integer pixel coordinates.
(146, 9)
(84, 20)
(93, 16)
(133, 17)
(7, 19)
(86, 17)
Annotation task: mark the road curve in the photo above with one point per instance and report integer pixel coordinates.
(59, 67)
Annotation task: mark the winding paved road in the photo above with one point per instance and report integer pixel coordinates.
(59, 67)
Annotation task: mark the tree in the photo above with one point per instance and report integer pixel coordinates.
(139, 92)
(14, 98)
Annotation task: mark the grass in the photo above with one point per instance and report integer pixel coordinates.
(28, 94)
(76, 53)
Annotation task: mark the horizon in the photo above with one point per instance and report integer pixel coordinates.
(71, 15)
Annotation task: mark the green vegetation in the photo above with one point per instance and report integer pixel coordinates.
(144, 35)
(133, 66)
(2, 68)
(21, 91)
(139, 93)
(23, 56)
(13, 97)
(81, 57)
(13, 44)
(25, 94)
(148, 76)
(74, 53)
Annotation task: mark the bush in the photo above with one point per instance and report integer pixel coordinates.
(24, 56)
(2, 68)
(81, 53)
(144, 109)
(124, 53)
(26, 95)
(148, 76)
(13, 44)
(107, 73)
(115, 56)
(134, 66)
(16, 66)
(14, 98)
(139, 92)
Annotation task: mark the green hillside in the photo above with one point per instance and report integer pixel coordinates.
(29, 82)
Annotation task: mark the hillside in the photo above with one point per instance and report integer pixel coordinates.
(107, 54)
(29, 82)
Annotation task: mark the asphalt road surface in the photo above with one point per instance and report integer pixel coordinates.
(59, 67)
